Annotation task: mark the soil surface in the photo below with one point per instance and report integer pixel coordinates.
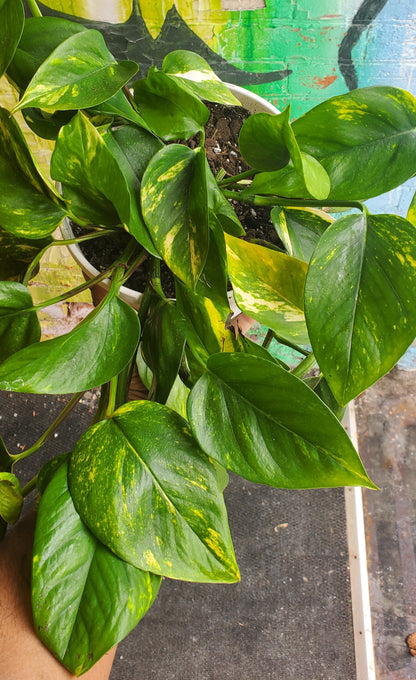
(221, 144)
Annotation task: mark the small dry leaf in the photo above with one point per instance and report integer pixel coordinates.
(411, 643)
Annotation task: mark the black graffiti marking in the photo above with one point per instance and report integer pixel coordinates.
(132, 40)
(364, 16)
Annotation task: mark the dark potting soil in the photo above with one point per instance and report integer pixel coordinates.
(221, 144)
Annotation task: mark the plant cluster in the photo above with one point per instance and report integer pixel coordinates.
(141, 495)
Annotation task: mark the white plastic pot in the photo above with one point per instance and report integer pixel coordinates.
(253, 103)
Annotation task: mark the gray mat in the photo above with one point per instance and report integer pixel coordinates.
(288, 619)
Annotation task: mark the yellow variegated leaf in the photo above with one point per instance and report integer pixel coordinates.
(268, 286)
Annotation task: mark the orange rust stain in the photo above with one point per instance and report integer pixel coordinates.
(322, 83)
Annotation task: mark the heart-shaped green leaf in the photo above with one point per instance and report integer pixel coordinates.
(16, 330)
(80, 73)
(360, 300)
(175, 209)
(12, 19)
(27, 207)
(141, 483)
(84, 598)
(262, 141)
(90, 355)
(169, 109)
(268, 286)
(300, 229)
(263, 423)
(40, 37)
(93, 181)
(365, 139)
(197, 76)
(163, 342)
(11, 499)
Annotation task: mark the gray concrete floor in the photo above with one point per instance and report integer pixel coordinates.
(386, 418)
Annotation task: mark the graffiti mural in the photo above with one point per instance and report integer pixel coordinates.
(297, 51)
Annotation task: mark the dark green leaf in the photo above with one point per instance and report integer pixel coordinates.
(324, 392)
(365, 139)
(169, 109)
(163, 341)
(360, 300)
(175, 209)
(268, 286)
(90, 355)
(285, 182)
(214, 278)
(206, 331)
(262, 141)
(119, 106)
(47, 472)
(19, 330)
(40, 37)
(17, 254)
(143, 486)
(93, 181)
(196, 75)
(84, 598)
(12, 19)
(79, 74)
(300, 229)
(27, 207)
(137, 145)
(44, 123)
(263, 423)
(221, 208)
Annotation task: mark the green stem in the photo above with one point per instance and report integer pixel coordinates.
(145, 304)
(136, 263)
(202, 137)
(51, 429)
(267, 340)
(292, 345)
(112, 397)
(247, 174)
(156, 283)
(292, 202)
(61, 242)
(29, 486)
(304, 366)
(33, 6)
(102, 404)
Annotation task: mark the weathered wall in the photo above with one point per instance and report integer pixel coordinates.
(298, 51)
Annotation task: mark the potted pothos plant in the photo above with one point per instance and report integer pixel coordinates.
(141, 495)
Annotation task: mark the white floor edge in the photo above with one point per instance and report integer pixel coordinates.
(360, 590)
